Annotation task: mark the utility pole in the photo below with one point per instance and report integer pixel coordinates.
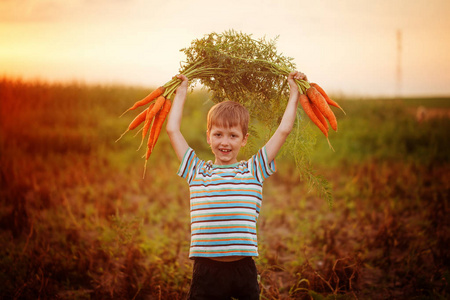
(399, 65)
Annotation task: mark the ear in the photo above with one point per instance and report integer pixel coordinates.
(244, 140)
(208, 139)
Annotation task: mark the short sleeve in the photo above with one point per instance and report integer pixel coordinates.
(261, 168)
(189, 165)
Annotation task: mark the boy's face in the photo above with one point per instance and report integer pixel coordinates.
(225, 143)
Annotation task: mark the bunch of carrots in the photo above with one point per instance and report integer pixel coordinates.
(153, 118)
(159, 103)
(316, 104)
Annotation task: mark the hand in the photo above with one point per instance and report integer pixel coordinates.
(184, 82)
(295, 75)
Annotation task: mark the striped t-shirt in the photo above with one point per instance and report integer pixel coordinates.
(225, 202)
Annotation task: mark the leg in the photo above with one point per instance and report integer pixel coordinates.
(246, 281)
(209, 281)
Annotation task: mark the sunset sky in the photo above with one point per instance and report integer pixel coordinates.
(350, 46)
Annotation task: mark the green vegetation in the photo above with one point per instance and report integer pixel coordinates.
(77, 221)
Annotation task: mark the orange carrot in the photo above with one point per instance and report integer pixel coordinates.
(138, 120)
(150, 115)
(151, 136)
(307, 107)
(319, 101)
(319, 116)
(156, 130)
(157, 126)
(327, 98)
(149, 98)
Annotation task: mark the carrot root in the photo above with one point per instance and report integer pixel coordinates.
(155, 130)
(319, 116)
(147, 99)
(122, 135)
(124, 112)
(306, 105)
(138, 132)
(329, 144)
(326, 97)
(143, 136)
(159, 120)
(150, 116)
(145, 168)
(319, 101)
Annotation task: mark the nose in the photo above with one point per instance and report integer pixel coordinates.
(224, 141)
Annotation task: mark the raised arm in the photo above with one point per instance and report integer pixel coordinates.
(287, 122)
(173, 125)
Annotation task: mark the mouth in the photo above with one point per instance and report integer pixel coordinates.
(225, 150)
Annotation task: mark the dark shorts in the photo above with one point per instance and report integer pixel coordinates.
(222, 280)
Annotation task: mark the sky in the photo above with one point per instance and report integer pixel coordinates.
(350, 47)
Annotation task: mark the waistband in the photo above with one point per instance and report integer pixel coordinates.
(211, 262)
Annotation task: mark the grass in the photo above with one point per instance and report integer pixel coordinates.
(77, 220)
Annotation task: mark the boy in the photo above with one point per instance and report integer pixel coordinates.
(226, 195)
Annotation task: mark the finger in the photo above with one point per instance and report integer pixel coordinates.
(301, 76)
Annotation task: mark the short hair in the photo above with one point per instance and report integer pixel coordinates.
(227, 114)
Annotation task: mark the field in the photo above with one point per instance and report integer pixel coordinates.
(78, 221)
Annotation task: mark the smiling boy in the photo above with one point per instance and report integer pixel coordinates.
(226, 195)
(227, 131)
